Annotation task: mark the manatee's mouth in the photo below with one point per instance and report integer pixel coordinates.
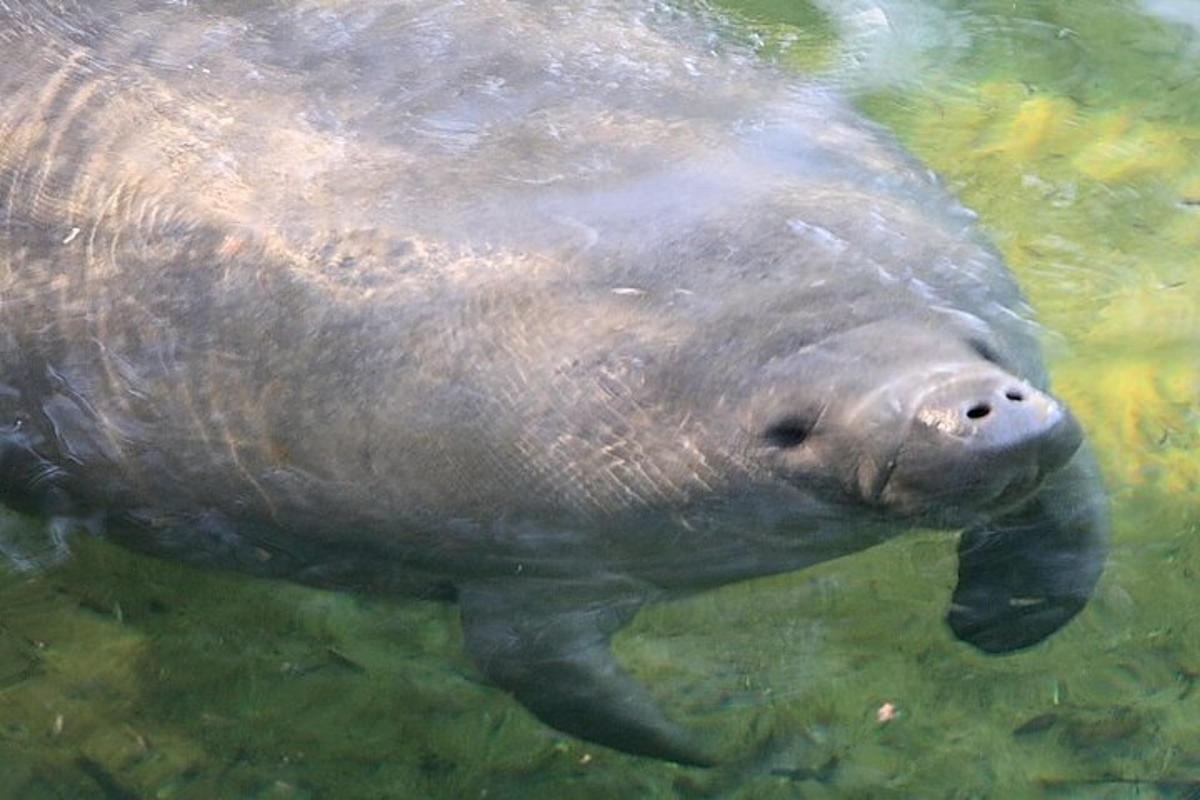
(883, 479)
(1018, 488)
(957, 508)
(999, 488)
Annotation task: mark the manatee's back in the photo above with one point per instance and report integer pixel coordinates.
(515, 124)
(283, 258)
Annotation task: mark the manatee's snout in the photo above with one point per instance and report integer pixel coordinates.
(978, 439)
(996, 414)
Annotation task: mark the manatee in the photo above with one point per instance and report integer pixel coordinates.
(552, 310)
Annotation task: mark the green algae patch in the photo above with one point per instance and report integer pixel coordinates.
(797, 34)
(1039, 126)
(1124, 149)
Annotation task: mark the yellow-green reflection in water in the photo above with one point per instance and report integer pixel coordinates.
(1074, 130)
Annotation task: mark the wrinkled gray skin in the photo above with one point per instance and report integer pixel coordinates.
(554, 310)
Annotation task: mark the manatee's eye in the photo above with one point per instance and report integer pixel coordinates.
(983, 350)
(788, 432)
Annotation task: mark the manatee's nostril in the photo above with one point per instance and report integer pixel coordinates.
(788, 432)
(979, 411)
(1014, 395)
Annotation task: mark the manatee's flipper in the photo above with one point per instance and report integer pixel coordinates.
(547, 642)
(1022, 576)
(29, 547)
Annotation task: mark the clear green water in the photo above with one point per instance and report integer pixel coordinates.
(1073, 128)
